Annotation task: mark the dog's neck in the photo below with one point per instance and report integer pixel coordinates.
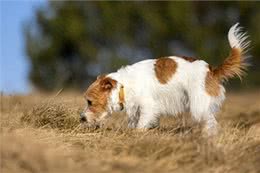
(125, 78)
(117, 100)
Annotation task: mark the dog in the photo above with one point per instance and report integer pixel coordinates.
(167, 86)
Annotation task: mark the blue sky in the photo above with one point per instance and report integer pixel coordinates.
(14, 67)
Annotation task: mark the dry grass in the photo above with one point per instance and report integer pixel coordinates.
(42, 134)
(51, 115)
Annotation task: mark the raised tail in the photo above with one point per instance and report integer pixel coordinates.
(237, 62)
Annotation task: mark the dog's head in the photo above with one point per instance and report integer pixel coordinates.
(98, 97)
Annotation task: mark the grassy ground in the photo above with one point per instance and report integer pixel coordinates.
(41, 133)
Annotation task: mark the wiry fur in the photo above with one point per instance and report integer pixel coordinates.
(236, 64)
(187, 89)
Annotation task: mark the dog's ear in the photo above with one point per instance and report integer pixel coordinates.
(108, 83)
(101, 76)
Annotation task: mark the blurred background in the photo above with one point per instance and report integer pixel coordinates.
(48, 46)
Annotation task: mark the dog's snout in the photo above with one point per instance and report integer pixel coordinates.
(83, 117)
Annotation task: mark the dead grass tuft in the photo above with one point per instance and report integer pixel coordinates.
(51, 115)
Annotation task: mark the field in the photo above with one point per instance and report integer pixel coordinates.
(41, 133)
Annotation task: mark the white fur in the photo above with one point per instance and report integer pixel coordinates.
(237, 38)
(146, 98)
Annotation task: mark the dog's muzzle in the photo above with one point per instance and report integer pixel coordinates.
(83, 118)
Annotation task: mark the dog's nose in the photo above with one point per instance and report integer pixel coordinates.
(83, 117)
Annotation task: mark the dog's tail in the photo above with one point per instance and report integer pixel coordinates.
(237, 62)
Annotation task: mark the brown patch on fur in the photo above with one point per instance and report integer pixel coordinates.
(98, 93)
(190, 59)
(234, 65)
(212, 83)
(164, 69)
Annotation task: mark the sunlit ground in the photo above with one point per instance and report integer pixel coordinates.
(41, 133)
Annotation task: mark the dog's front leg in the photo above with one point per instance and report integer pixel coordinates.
(133, 117)
(149, 118)
(132, 121)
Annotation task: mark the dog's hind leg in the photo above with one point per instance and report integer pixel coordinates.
(203, 108)
(211, 126)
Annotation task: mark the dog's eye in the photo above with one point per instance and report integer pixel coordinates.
(89, 102)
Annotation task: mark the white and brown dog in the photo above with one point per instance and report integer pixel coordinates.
(168, 85)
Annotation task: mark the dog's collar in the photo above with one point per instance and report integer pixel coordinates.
(121, 97)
